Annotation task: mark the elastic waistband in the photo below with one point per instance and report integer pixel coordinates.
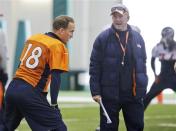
(21, 80)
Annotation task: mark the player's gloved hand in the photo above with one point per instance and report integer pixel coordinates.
(157, 79)
(55, 106)
(44, 94)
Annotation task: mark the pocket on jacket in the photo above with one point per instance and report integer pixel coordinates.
(140, 93)
(141, 80)
(141, 85)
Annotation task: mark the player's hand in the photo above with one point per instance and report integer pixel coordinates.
(44, 94)
(157, 79)
(175, 67)
(55, 106)
(97, 98)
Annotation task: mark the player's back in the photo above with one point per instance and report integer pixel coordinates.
(36, 58)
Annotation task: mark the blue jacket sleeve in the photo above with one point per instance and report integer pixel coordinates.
(55, 85)
(95, 67)
(144, 55)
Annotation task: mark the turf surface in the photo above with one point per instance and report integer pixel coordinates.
(85, 117)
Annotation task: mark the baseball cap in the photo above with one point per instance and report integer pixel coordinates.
(119, 8)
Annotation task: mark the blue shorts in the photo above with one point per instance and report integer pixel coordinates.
(24, 101)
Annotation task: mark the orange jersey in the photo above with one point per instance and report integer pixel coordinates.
(41, 51)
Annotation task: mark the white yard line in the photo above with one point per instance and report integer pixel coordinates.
(167, 125)
(156, 117)
(89, 99)
(165, 101)
(160, 117)
(83, 105)
(75, 99)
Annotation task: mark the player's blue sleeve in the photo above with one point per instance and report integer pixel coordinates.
(55, 85)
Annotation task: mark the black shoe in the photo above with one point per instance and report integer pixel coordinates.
(97, 129)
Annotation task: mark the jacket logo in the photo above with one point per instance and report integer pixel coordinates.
(138, 45)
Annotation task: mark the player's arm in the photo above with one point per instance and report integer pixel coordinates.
(153, 68)
(155, 54)
(58, 62)
(55, 86)
(153, 65)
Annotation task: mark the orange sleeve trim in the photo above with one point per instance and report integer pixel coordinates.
(1, 94)
(134, 83)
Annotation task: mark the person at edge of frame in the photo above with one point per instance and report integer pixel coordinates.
(3, 71)
(165, 51)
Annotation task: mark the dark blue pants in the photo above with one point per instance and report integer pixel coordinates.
(133, 113)
(165, 82)
(23, 101)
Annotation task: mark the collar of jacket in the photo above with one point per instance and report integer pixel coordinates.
(116, 30)
(51, 34)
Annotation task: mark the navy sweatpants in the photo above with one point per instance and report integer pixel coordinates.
(133, 113)
(164, 83)
(23, 101)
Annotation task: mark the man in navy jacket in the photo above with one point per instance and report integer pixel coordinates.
(118, 73)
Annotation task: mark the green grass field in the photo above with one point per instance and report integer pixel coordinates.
(85, 117)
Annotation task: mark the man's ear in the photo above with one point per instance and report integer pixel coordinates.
(61, 30)
(58, 31)
(128, 17)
